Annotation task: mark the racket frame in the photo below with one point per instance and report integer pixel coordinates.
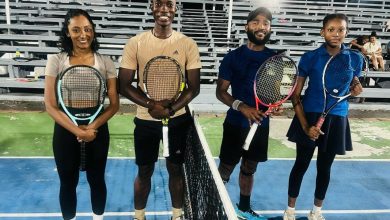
(339, 99)
(270, 106)
(181, 86)
(366, 64)
(74, 118)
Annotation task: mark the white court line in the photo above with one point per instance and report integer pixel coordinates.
(370, 211)
(84, 214)
(164, 213)
(339, 159)
(21, 157)
(52, 157)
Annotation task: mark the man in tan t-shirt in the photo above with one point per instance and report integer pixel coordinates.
(161, 40)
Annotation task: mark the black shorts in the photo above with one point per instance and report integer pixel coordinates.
(148, 135)
(233, 139)
(337, 138)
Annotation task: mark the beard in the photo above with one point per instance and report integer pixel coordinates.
(252, 38)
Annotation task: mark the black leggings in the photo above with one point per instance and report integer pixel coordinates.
(302, 162)
(67, 157)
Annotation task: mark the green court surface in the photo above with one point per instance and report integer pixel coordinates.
(30, 134)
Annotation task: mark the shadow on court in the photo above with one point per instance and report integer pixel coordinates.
(359, 190)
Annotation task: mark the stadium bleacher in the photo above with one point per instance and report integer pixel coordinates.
(35, 25)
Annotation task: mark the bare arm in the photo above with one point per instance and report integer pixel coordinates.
(125, 78)
(161, 109)
(354, 43)
(191, 91)
(59, 116)
(312, 131)
(378, 52)
(222, 94)
(356, 88)
(365, 52)
(112, 107)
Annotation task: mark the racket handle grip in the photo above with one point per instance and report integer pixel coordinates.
(82, 156)
(165, 141)
(320, 122)
(249, 138)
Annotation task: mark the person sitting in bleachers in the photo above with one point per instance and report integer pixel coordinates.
(358, 43)
(373, 50)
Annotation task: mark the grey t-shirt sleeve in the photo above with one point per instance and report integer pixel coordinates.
(55, 64)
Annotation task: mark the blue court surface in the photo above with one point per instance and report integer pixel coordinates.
(359, 190)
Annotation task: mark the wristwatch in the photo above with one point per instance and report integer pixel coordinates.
(171, 111)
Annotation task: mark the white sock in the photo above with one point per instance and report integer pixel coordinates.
(97, 217)
(176, 212)
(291, 209)
(316, 208)
(139, 214)
(74, 218)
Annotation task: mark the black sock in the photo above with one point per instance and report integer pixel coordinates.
(244, 203)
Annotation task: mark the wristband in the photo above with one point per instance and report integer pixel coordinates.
(236, 104)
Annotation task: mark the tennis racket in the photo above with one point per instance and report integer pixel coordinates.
(274, 83)
(337, 77)
(364, 80)
(81, 92)
(163, 80)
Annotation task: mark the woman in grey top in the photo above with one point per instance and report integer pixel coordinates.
(79, 47)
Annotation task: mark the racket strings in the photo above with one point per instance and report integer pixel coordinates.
(275, 80)
(163, 79)
(82, 88)
(356, 57)
(338, 75)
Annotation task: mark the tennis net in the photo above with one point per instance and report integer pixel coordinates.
(205, 194)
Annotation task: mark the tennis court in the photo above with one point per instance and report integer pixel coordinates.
(358, 190)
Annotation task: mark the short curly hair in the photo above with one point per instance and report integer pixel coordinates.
(66, 44)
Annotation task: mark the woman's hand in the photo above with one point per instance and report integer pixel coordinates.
(313, 132)
(86, 134)
(356, 88)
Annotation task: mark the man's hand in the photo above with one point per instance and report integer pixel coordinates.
(252, 114)
(158, 111)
